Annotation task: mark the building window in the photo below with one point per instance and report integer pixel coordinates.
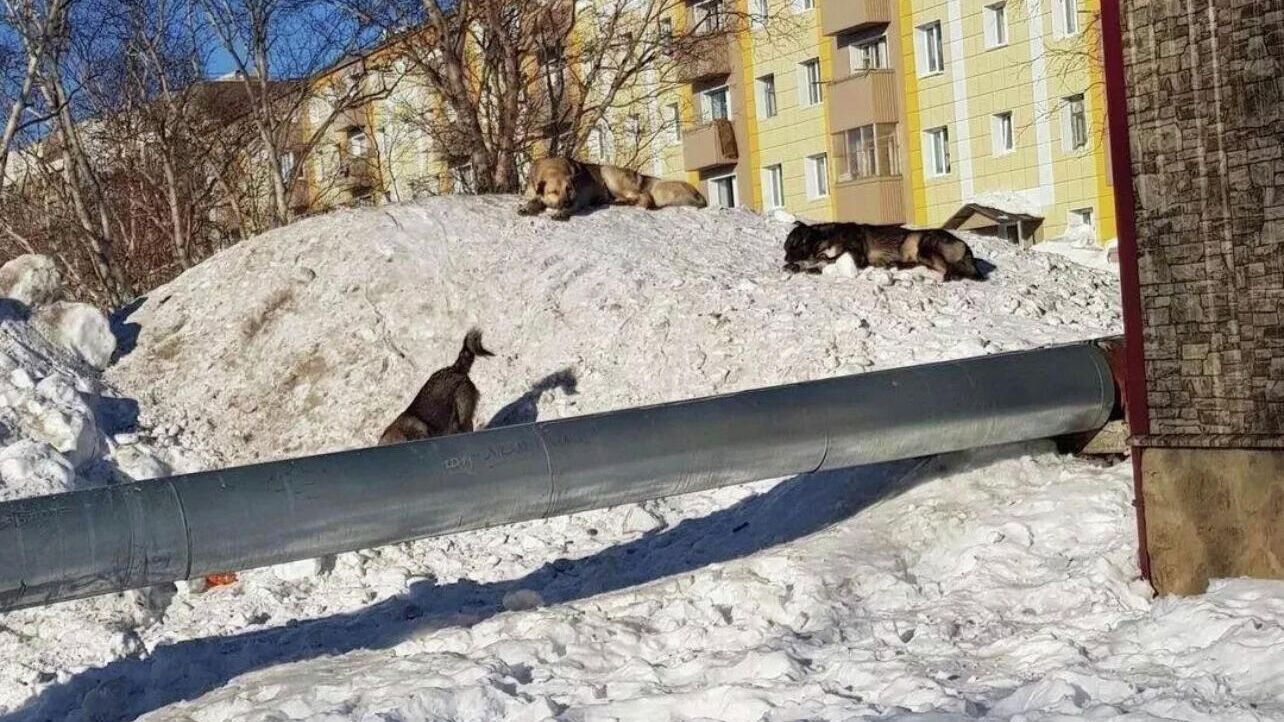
(723, 191)
(716, 104)
(872, 150)
(817, 175)
(1065, 17)
(287, 164)
(760, 13)
(666, 31)
(463, 179)
(1081, 217)
(937, 157)
(996, 25)
(633, 126)
(707, 16)
(868, 54)
(358, 144)
(767, 96)
(1003, 139)
(773, 183)
(1074, 126)
(804, 5)
(602, 145)
(931, 49)
(809, 89)
(674, 123)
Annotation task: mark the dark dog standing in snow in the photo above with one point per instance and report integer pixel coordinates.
(446, 403)
(811, 247)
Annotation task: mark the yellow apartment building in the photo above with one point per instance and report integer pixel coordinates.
(978, 114)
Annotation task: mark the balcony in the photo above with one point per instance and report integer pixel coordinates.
(709, 145)
(356, 173)
(878, 199)
(701, 57)
(861, 99)
(841, 16)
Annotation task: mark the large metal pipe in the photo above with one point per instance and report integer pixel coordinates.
(127, 536)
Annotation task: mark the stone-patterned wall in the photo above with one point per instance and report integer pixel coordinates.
(1206, 111)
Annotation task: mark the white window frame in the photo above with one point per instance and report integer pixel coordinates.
(759, 13)
(816, 169)
(811, 90)
(462, 179)
(358, 144)
(996, 25)
(1065, 18)
(1003, 133)
(706, 105)
(929, 39)
(936, 159)
(773, 186)
(801, 6)
(714, 198)
(604, 143)
(1068, 141)
(674, 122)
(288, 159)
(1080, 217)
(664, 32)
(704, 10)
(633, 126)
(858, 54)
(768, 101)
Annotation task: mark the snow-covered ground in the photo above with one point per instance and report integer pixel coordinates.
(995, 584)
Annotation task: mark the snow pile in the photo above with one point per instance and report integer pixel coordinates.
(1084, 251)
(1017, 202)
(997, 584)
(60, 429)
(32, 286)
(313, 337)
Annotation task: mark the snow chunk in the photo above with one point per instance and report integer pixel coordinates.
(81, 329)
(32, 280)
(34, 468)
(522, 599)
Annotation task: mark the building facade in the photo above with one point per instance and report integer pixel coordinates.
(884, 111)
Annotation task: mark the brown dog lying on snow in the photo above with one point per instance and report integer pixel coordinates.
(569, 186)
(811, 247)
(446, 403)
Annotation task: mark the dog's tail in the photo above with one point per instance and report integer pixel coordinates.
(471, 350)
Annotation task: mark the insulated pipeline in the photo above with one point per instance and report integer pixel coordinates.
(127, 536)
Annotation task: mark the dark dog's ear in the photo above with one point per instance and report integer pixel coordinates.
(539, 188)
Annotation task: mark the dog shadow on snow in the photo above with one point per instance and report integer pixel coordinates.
(126, 688)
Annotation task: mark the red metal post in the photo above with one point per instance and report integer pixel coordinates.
(1129, 279)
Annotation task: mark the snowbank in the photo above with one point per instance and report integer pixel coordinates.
(999, 584)
(313, 337)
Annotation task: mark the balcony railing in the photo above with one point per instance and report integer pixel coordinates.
(861, 99)
(840, 16)
(709, 145)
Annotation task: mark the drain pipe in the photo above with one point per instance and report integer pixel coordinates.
(127, 536)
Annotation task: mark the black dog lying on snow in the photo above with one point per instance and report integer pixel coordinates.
(446, 403)
(810, 248)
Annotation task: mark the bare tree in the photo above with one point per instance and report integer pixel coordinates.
(505, 76)
(278, 48)
(31, 27)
